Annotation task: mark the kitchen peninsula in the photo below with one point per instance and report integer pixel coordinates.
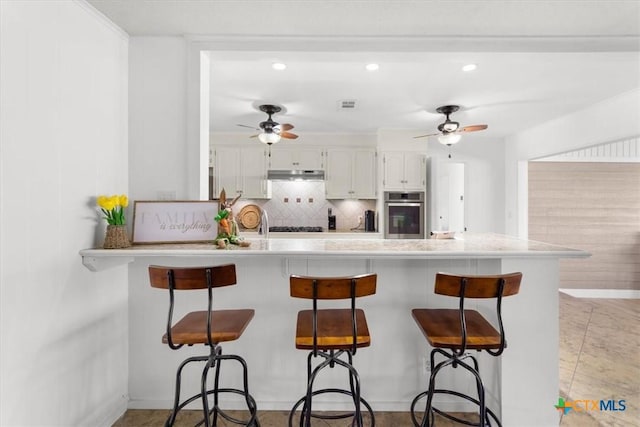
(522, 385)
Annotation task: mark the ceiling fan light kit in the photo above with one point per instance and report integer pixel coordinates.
(450, 131)
(272, 131)
(269, 138)
(449, 138)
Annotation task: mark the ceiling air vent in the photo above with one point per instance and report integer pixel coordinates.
(347, 104)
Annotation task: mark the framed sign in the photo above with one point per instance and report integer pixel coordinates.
(174, 221)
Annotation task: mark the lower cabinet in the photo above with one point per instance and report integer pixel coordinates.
(350, 174)
(240, 171)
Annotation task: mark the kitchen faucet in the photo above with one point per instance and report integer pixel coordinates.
(264, 223)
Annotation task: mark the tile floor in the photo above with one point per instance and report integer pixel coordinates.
(599, 359)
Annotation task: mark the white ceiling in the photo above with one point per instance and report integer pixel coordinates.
(537, 59)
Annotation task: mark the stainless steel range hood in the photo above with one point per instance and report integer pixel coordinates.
(295, 175)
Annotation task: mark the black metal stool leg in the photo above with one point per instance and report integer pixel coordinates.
(214, 360)
(204, 392)
(177, 406)
(354, 385)
(331, 359)
(485, 414)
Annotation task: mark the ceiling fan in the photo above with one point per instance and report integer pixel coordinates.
(450, 131)
(272, 131)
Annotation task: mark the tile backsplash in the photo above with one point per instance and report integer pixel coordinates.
(303, 203)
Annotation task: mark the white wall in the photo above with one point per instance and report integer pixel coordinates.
(611, 120)
(483, 159)
(63, 140)
(158, 149)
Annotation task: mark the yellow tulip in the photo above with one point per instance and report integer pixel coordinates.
(113, 208)
(108, 204)
(102, 200)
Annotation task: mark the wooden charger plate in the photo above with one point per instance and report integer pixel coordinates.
(249, 217)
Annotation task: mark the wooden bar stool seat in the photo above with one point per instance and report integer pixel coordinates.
(332, 334)
(226, 325)
(206, 327)
(334, 330)
(451, 332)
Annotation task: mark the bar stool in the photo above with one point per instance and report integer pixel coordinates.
(331, 333)
(205, 327)
(451, 332)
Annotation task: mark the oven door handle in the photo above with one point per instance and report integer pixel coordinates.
(403, 204)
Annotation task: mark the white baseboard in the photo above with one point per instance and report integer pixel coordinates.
(390, 406)
(602, 293)
(108, 414)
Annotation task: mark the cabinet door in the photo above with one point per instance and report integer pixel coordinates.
(281, 159)
(253, 166)
(309, 158)
(339, 172)
(226, 173)
(393, 165)
(363, 181)
(414, 171)
(296, 158)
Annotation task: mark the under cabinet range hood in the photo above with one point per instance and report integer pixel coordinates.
(295, 175)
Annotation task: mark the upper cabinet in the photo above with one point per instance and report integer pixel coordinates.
(404, 171)
(240, 171)
(351, 174)
(287, 158)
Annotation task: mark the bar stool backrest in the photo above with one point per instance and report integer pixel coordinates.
(332, 287)
(485, 286)
(191, 278)
(477, 286)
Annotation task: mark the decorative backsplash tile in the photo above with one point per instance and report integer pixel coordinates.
(303, 203)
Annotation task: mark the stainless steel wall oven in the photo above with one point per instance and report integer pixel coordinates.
(404, 216)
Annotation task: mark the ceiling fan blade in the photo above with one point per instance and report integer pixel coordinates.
(254, 136)
(288, 135)
(285, 127)
(250, 127)
(431, 134)
(472, 128)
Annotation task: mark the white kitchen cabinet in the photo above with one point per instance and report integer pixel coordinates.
(241, 171)
(308, 158)
(351, 174)
(404, 171)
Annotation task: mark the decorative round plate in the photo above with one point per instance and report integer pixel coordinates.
(249, 217)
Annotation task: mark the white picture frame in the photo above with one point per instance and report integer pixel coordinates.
(174, 221)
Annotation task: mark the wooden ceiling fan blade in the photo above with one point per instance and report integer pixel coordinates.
(288, 135)
(254, 136)
(473, 128)
(286, 126)
(430, 134)
(246, 126)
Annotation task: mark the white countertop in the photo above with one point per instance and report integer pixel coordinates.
(333, 234)
(467, 245)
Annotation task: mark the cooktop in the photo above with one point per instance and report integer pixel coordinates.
(279, 229)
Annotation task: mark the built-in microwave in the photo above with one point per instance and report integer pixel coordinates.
(404, 215)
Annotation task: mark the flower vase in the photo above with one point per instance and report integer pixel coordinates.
(116, 237)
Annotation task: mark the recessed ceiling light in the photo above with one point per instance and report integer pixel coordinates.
(278, 66)
(469, 67)
(372, 67)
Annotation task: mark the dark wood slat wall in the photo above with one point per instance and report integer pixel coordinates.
(590, 206)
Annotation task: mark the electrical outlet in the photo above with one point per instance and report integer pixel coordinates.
(166, 195)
